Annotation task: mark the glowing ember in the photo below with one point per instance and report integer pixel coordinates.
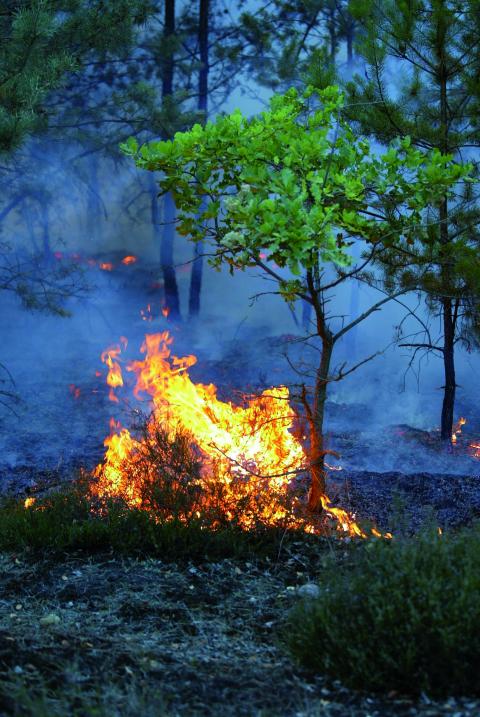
(106, 266)
(165, 311)
(74, 390)
(475, 448)
(248, 453)
(28, 502)
(457, 429)
(129, 260)
(146, 313)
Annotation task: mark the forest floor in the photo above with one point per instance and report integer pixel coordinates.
(96, 636)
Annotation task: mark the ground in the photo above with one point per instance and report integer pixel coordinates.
(98, 636)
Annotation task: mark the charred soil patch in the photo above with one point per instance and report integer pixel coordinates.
(111, 636)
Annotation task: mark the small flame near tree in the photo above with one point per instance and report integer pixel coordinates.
(245, 461)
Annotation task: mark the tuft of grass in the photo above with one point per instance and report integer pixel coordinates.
(70, 521)
(404, 616)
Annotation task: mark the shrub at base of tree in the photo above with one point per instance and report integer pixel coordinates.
(404, 618)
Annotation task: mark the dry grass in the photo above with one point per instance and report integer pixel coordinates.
(152, 638)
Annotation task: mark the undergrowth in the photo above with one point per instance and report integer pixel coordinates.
(69, 521)
(403, 616)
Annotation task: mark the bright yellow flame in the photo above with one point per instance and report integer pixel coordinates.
(251, 446)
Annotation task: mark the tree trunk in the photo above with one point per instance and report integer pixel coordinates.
(197, 265)
(350, 35)
(449, 368)
(196, 280)
(316, 420)
(448, 314)
(94, 202)
(332, 31)
(166, 235)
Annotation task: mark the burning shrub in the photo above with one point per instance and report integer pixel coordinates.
(167, 475)
(406, 617)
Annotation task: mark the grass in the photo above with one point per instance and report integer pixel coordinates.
(404, 616)
(64, 522)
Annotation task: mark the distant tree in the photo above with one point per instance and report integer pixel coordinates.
(203, 46)
(44, 47)
(432, 49)
(295, 185)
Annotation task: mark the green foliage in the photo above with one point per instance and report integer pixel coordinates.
(66, 522)
(42, 43)
(294, 183)
(434, 47)
(404, 617)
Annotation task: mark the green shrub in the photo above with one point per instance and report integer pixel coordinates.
(70, 521)
(405, 616)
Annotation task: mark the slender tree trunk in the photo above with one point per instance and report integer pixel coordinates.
(45, 218)
(316, 420)
(197, 265)
(94, 202)
(449, 368)
(350, 36)
(166, 234)
(448, 315)
(332, 31)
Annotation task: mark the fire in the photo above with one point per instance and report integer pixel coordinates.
(106, 266)
(28, 502)
(74, 390)
(165, 311)
(457, 429)
(114, 376)
(249, 454)
(146, 313)
(473, 448)
(129, 260)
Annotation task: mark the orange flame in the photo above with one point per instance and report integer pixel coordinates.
(146, 313)
(106, 266)
(74, 390)
(129, 260)
(28, 502)
(165, 311)
(114, 375)
(457, 429)
(250, 446)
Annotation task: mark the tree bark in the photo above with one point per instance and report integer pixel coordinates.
(449, 368)
(166, 235)
(448, 315)
(316, 420)
(197, 265)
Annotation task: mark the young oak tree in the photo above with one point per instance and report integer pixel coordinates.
(295, 185)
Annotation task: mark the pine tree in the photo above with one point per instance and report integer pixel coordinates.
(41, 43)
(433, 50)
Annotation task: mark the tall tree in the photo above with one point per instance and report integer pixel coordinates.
(433, 48)
(171, 295)
(203, 37)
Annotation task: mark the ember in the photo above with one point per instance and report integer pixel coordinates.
(249, 448)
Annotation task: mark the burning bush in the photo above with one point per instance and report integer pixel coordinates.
(240, 463)
(168, 476)
(406, 617)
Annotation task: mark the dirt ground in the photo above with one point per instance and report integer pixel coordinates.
(105, 636)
